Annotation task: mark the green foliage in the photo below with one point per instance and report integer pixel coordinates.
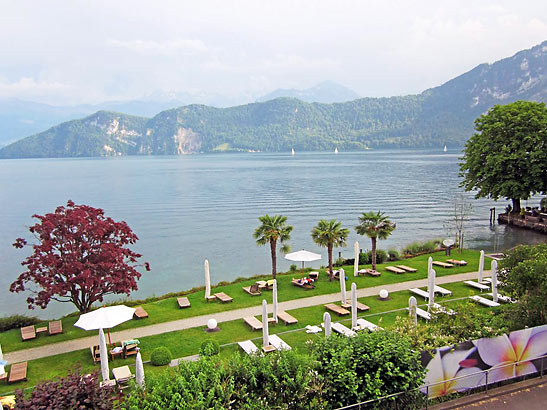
(160, 356)
(273, 229)
(375, 225)
(209, 348)
(523, 276)
(293, 268)
(393, 255)
(543, 203)
(329, 234)
(507, 156)
(418, 248)
(17, 321)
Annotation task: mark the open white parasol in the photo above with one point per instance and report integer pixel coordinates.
(303, 256)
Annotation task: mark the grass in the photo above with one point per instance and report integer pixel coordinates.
(187, 342)
(165, 310)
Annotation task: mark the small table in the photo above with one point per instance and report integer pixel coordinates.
(268, 349)
(116, 354)
(41, 330)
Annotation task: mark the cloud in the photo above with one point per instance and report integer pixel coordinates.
(168, 47)
(28, 87)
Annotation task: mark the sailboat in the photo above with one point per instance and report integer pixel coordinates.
(336, 150)
(292, 151)
(444, 149)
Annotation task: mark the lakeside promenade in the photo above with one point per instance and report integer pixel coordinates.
(226, 316)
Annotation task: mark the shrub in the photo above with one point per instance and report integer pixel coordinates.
(17, 321)
(393, 255)
(209, 348)
(340, 262)
(365, 258)
(543, 203)
(416, 248)
(160, 356)
(293, 268)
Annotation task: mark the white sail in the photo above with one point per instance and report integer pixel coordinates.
(336, 150)
(445, 149)
(292, 151)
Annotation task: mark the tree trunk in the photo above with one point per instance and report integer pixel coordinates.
(274, 258)
(516, 205)
(329, 251)
(373, 253)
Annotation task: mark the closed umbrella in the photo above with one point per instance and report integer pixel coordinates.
(303, 256)
(265, 336)
(353, 305)
(495, 280)
(139, 371)
(207, 280)
(342, 275)
(431, 288)
(106, 318)
(105, 371)
(275, 300)
(356, 261)
(412, 305)
(326, 324)
(481, 266)
(429, 265)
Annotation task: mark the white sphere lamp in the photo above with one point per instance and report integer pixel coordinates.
(384, 294)
(212, 324)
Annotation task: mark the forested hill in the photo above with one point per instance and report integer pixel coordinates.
(438, 116)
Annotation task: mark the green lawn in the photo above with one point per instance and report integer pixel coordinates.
(167, 310)
(187, 342)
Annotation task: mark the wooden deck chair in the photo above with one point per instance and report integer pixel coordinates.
(457, 262)
(140, 313)
(443, 264)
(395, 270)
(286, 318)
(369, 272)
(95, 353)
(340, 311)
(361, 307)
(55, 327)
(18, 372)
(183, 302)
(407, 268)
(28, 333)
(252, 290)
(223, 297)
(253, 322)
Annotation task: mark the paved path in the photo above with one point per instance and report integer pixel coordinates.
(201, 321)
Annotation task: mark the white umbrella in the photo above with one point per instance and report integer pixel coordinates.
(275, 300)
(431, 288)
(429, 265)
(356, 261)
(342, 276)
(481, 266)
(495, 280)
(303, 256)
(353, 305)
(105, 371)
(105, 317)
(265, 336)
(326, 324)
(412, 305)
(139, 370)
(207, 280)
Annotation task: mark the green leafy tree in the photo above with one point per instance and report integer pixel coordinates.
(375, 225)
(507, 156)
(329, 234)
(273, 230)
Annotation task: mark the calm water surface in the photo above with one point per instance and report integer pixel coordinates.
(186, 209)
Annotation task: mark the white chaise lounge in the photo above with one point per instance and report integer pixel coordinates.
(340, 328)
(477, 285)
(424, 314)
(248, 347)
(484, 301)
(420, 292)
(442, 291)
(503, 298)
(363, 324)
(278, 343)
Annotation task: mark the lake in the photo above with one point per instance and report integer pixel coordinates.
(188, 208)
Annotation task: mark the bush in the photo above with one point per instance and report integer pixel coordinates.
(209, 348)
(340, 262)
(17, 321)
(393, 255)
(365, 258)
(543, 203)
(417, 248)
(293, 268)
(160, 356)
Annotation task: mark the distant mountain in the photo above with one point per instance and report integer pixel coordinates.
(438, 116)
(325, 92)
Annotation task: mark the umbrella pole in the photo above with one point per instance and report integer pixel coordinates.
(302, 269)
(109, 341)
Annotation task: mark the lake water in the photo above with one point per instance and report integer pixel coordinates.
(188, 208)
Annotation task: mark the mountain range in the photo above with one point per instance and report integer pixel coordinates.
(438, 116)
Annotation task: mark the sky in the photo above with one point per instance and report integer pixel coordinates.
(73, 52)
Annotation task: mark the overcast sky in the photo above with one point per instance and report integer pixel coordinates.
(88, 51)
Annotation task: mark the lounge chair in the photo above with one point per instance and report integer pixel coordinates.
(442, 291)
(343, 330)
(443, 264)
(286, 318)
(3, 374)
(477, 285)
(423, 313)
(95, 353)
(302, 284)
(361, 307)
(183, 302)
(395, 270)
(223, 297)
(252, 290)
(28, 333)
(365, 324)
(278, 343)
(442, 309)
(420, 292)
(369, 272)
(253, 322)
(55, 327)
(314, 275)
(140, 313)
(248, 347)
(457, 262)
(503, 298)
(18, 372)
(407, 268)
(484, 301)
(130, 347)
(340, 311)
(122, 374)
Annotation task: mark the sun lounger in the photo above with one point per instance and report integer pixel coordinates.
(252, 290)
(278, 343)
(55, 327)
(423, 313)
(286, 318)
(343, 330)
(407, 268)
(122, 374)
(95, 353)
(223, 297)
(442, 291)
(442, 309)
(183, 302)
(302, 284)
(140, 313)
(486, 280)
(340, 311)
(314, 275)
(248, 347)
(369, 272)
(28, 333)
(477, 285)
(394, 269)
(443, 264)
(253, 322)
(18, 372)
(3, 374)
(457, 262)
(484, 301)
(420, 292)
(363, 324)
(361, 307)
(503, 298)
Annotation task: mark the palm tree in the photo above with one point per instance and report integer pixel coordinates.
(329, 234)
(273, 230)
(375, 226)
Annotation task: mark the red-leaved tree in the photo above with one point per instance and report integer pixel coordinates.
(81, 256)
